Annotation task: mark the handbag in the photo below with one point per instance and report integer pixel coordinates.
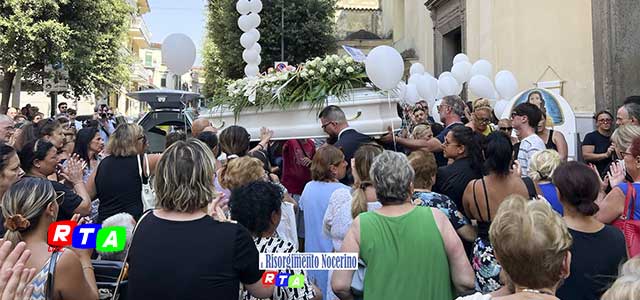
(626, 223)
(148, 195)
(120, 279)
(357, 281)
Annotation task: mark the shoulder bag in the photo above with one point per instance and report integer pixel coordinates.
(148, 194)
(125, 266)
(53, 261)
(627, 224)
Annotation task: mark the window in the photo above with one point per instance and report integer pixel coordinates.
(148, 59)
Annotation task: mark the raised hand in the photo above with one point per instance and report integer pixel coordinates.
(14, 278)
(73, 170)
(616, 174)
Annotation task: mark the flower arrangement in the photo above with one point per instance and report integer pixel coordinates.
(312, 82)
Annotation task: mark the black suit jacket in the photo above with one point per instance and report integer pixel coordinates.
(349, 142)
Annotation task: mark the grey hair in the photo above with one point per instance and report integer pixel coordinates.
(456, 104)
(128, 222)
(392, 176)
(633, 110)
(333, 113)
(624, 135)
(5, 118)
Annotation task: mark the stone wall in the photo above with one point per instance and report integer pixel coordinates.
(616, 44)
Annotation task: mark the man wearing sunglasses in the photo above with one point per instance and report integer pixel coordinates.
(525, 119)
(334, 123)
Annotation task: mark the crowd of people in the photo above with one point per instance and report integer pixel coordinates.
(473, 208)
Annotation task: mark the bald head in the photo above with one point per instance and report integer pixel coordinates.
(199, 126)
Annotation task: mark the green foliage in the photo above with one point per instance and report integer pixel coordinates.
(308, 33)
(85, 35)
(312, 83)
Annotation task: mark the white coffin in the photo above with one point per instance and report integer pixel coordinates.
(368, 111)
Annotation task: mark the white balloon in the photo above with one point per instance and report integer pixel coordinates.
(401, 90)
(434, 111)
(411, 95)
(506, 84)
(415, 79)
(178, 53)
(433, 85)
(462, 71)
(416, 68)
(425, 89)
(385, 67)
(446, 74)
(460, 57)
(250, 56)
(256, 6)
(257, 47)
(251, 70)
(500, 106)
(249, 38)
(248, 22)
(449, 86)
(481, 86)
(482, 67)
(243, 7)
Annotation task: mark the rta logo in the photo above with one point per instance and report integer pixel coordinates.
(85, 236)
(283, 279)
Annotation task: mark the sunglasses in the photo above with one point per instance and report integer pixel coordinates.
(59, 198)
(484, 121)
(143, 138)
(506, 128)
(605, 121)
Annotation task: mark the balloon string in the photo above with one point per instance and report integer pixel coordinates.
(393, 134)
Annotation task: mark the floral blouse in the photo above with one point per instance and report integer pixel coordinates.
(444, 204)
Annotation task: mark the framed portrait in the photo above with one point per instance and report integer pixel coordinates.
(551, 104)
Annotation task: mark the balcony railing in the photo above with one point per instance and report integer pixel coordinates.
(140, 27)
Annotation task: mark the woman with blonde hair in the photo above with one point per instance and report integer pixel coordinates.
(532, 244)
(541, 167)
(481, 117)
(221, 255)
(627, 286)
(117, 181)
(29, 207)
(422, 132)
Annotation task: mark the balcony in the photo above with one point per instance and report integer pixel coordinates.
(141, 75)
(139, 33)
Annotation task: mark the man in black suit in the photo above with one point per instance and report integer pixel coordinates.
(334, 123)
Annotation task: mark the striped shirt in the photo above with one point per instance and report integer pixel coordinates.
(528, 147)
(277, 245)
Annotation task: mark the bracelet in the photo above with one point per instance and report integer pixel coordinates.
(88, 267)
(261, 147)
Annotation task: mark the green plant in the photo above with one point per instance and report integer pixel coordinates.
(312, 82)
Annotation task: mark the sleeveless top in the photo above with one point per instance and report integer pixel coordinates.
(119, 187)
(550, 144)
(483, 226)
(549, 192)
(411, 243)
(40, 281)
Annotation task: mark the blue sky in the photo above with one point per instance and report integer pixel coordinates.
(178, 16)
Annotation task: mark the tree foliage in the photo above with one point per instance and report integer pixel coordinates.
(86, 36)
(308, 32)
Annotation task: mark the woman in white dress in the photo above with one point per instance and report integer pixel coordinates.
(346, 204)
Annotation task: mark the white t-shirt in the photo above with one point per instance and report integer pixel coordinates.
(528, 147)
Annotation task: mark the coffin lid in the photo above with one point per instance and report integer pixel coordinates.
(164, 98)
